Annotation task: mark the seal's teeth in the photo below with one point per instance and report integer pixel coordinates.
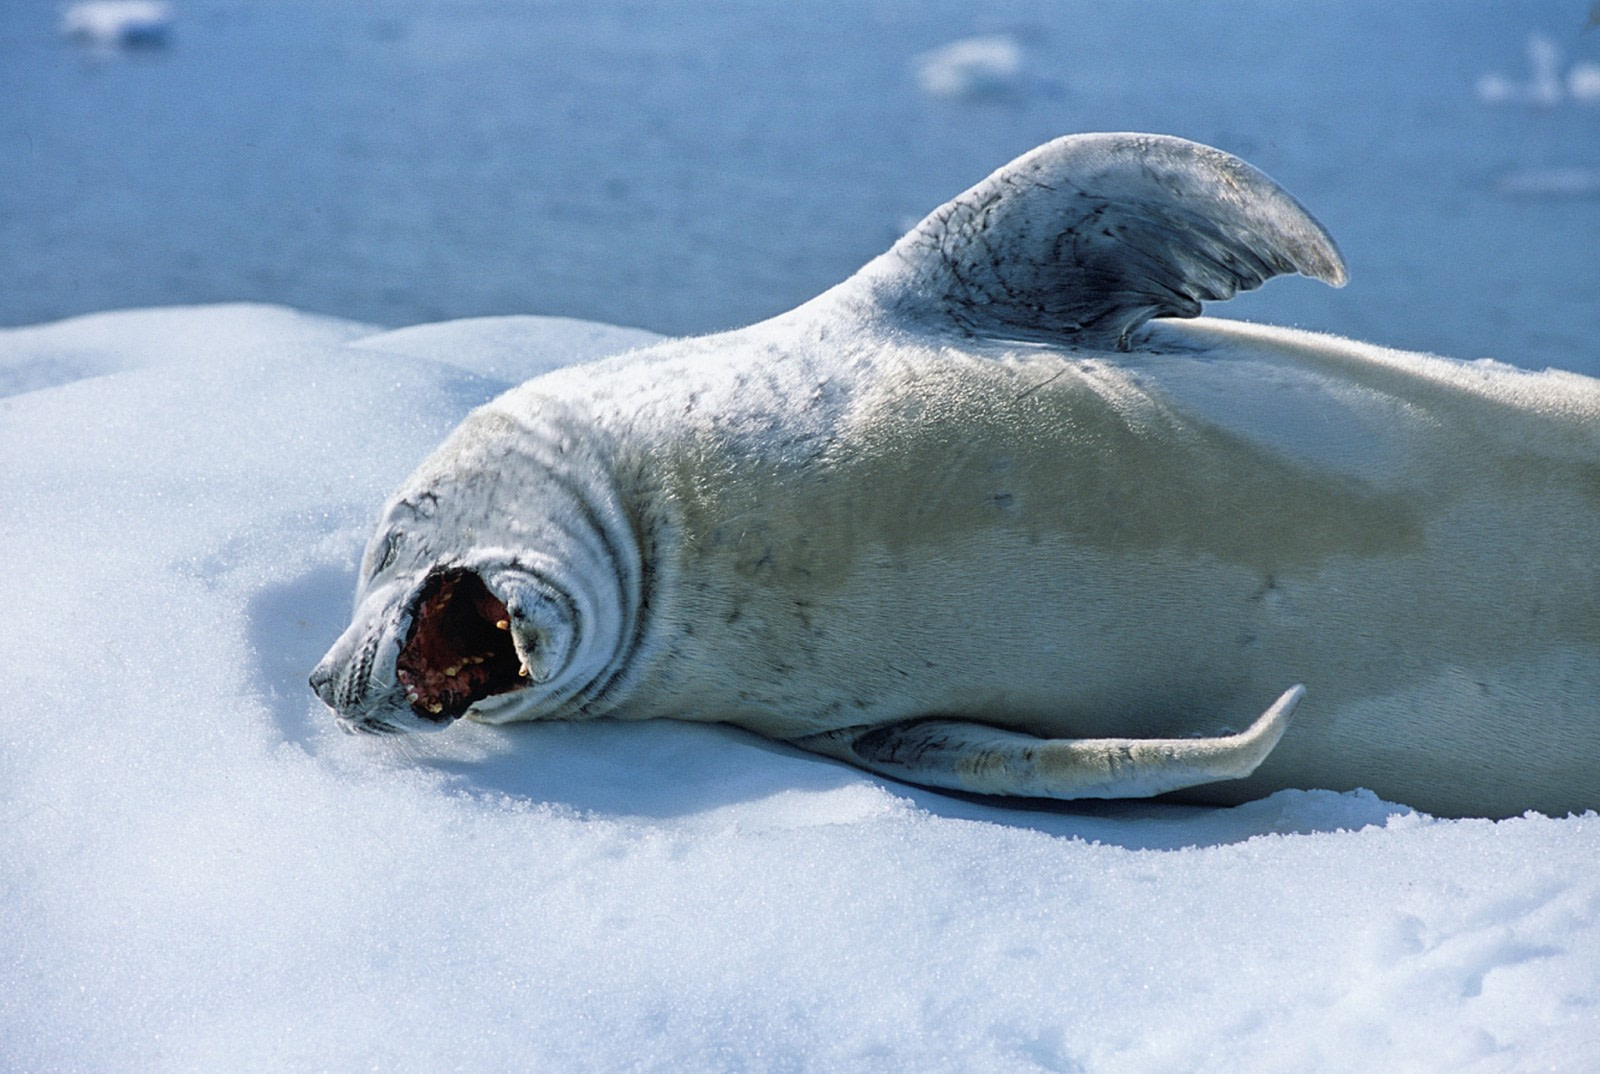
(476, 659)
(452, 671)
(523, 671)
(502, 624)
(412, 696)
(435, 708)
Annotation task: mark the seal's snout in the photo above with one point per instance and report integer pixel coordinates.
(459, 649)
(322, 681)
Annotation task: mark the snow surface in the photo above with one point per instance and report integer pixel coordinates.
(200, 873)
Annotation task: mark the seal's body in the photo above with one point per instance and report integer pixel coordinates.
(963, 521)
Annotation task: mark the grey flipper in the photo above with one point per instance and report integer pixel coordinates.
(965, 756)
(1089, 236)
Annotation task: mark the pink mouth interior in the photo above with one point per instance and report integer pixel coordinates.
(459, 648)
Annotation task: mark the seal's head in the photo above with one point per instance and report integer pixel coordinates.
(491, 640)
(496, 587)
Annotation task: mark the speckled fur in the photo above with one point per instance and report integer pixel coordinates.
(942, 491)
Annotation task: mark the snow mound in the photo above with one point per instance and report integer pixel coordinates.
(511, 348)
(200, 873)
(39, 356)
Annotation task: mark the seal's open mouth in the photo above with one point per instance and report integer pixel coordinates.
(459, 648)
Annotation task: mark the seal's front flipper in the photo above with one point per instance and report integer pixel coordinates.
(1089, 236)
(958, 755)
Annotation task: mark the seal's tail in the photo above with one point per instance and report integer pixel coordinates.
(963, 756)
(1089, 236)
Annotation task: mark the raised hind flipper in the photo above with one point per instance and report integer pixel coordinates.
(1087, 237)
(963, 756)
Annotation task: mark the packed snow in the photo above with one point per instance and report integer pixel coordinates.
(203, 874)
(200, 873)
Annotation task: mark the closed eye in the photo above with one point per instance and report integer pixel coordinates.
(384, 555)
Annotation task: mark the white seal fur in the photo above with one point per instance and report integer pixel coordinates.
(967, 520)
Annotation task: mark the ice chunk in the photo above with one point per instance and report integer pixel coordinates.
(987, 68)
(118, 23)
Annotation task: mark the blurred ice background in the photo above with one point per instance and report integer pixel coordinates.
(689, 167)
